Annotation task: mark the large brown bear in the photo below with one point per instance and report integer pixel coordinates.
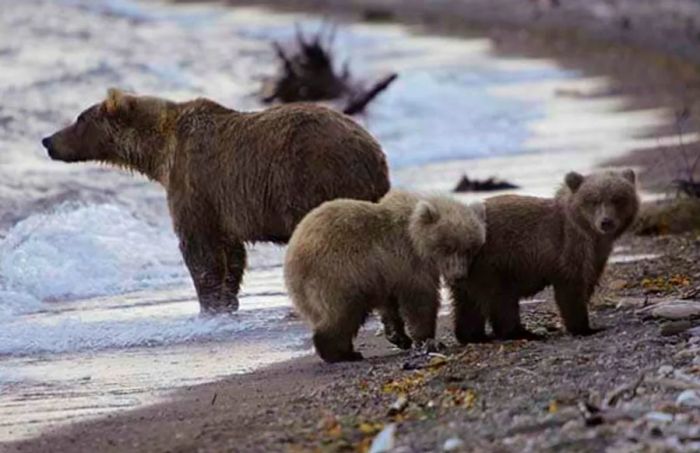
(535, 242)
(231, 177)
(348, 257)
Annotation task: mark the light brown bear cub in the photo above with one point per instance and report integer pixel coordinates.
(535, 242)
(349, 257)
(231, 177)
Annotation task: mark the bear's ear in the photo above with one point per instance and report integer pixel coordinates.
(573, 181)
(479, 210)
(629, 175)
(116, 101)
(426, 212)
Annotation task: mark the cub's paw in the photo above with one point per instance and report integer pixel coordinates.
(400, 341)
(430, 345)
(521, 333)
(588, 331)
(470, 337)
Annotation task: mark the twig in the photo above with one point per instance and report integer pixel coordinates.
(525, 370)
(675, 384)
(627, 391)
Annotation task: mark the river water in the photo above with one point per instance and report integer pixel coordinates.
(97, 311)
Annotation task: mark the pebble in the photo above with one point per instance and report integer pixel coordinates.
(659, 417)
(674, 309)
(675, 327)
(695, 332)
(688, 398)
(665, 370)
(453, 443)
(398, 406)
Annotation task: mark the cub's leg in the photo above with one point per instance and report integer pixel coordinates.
(393, 324)
(504, 314)
(572, 300)
(339, 314)
(419, 308)
(469, 320)
(216, 265)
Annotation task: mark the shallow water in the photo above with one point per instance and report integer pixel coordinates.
(97, 312)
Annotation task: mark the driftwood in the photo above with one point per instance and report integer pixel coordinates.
(308, 75)
(486, 185)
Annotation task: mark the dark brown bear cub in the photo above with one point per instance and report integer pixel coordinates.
(231, 177)
(532, 243)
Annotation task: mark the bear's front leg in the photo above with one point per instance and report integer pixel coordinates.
(469, 321)
(419, 308)
(504, 314)
(216, 267)
(572, 300)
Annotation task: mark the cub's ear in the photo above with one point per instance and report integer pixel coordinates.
(629, 175)
(573, 181)
(116, 101)
(426, 213)
(479, 210)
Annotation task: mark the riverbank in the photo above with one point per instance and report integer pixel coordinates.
(500, 396)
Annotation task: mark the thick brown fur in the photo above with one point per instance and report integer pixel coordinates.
(349, 257)
(535, 242)
(231, 177)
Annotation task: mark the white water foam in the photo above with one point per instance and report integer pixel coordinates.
(84, 251)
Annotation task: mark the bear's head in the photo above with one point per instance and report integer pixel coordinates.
(605, 204)
(448, 233)
(124, 130)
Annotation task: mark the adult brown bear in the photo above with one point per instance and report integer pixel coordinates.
(231, 177)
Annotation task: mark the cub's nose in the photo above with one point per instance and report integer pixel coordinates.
(607, 224)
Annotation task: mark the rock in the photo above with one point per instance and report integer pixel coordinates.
(665, 370)
(398, 406)
(452, 444)
(673, 309)
(617, 284)
(662, 417)
(385, 440)
(688, 398)
(695, 332)
(675, 327)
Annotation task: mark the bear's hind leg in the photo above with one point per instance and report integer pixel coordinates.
(216, 268)
(393, 324)
(333, 346)
(469, 321)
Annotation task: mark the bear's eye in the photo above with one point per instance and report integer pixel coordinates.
(618, 201)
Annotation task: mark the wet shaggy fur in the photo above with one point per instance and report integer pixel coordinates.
(532, 243)
(349, 257)
(231, 177)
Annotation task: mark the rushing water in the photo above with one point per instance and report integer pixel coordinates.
(97, 311)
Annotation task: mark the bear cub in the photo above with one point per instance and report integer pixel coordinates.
(347, 258)
(532, 243)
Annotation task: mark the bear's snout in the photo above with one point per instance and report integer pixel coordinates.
(46, 141)
(607, 225)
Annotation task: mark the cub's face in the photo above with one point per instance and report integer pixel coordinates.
(605, 203)
(108, 131)
(448, 233)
